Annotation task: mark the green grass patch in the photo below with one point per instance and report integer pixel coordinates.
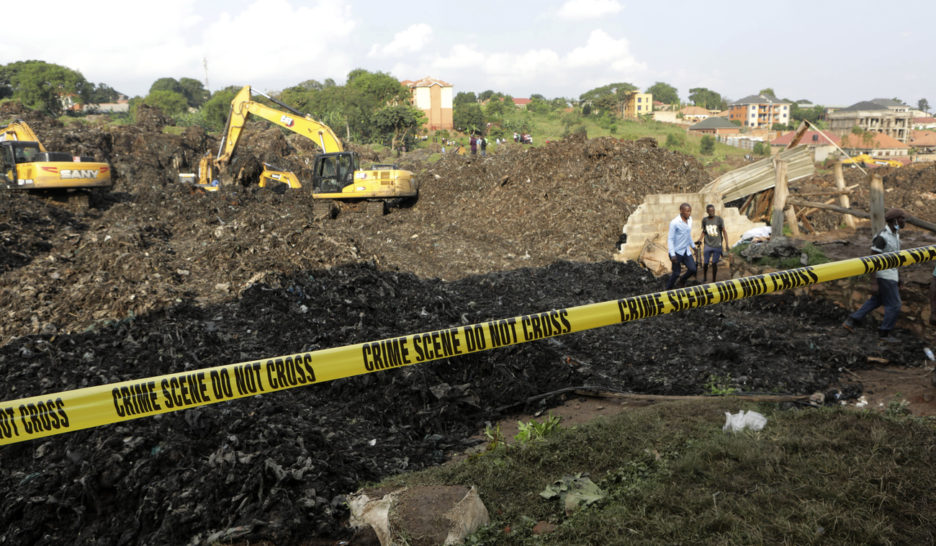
(669, 474)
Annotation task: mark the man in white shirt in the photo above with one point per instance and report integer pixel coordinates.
(680, 245)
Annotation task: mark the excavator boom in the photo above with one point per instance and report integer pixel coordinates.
(299, 123)
(336, 173)
(20, 131)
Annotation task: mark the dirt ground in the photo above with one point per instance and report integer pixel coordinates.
(156, 279)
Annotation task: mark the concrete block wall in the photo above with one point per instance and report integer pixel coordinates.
(650, 221)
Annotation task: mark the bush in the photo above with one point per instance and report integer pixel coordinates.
(707, 146)
(674, 141)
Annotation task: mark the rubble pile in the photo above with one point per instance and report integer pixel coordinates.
(158, 279)
(912, 188)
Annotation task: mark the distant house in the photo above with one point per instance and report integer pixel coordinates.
(434, 98)
(876, 145)
(637, 104)
(694, 114)
(922, 123)
(758, 111)
(879, 115)
(121, 106)
(822, 144)
(715, 126)
(923, 145)
(522, 103)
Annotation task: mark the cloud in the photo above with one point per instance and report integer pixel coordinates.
(410, 40)
(602, 49)
(602, 59)
(588, 9)
(246, 44)
(129, 49)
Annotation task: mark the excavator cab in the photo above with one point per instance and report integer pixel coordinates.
(7, 164)
(333, 172)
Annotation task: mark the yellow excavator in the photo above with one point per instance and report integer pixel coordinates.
(869, 161)
(336, 173)
(25, 164)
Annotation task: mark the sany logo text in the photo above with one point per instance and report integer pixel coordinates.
(79, 173)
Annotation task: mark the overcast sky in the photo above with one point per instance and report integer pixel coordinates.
(832, 52)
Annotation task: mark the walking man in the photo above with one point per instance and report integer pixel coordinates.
(888, 291)
(679, 243)
(715, 237)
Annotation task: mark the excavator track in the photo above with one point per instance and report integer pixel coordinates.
(323, 209)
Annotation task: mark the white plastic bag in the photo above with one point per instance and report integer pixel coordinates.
(744, 419)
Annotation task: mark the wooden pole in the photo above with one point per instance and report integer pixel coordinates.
(843, 198)
(913, 220)
(877, 203)
(790, 214)
(781, 192)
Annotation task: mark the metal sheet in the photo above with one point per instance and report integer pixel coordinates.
(759, 176)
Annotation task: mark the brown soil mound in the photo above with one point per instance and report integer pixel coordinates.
(157, 279)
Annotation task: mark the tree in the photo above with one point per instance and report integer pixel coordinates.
(103, 93)
(497, 107)
(923, 105)
(705, 98)
(768, 92)
(42, 86)
(486, 95)
(170, 102)
(194, 92)
(378, 87)
(397, 124)
(812, 114)
(166, 84)
(619, 88)
(707, 145)
(664, 93)
(468, 117)
(463, 97)
(539, 105)
(217, 108)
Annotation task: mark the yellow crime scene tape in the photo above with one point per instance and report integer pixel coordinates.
(51, 414)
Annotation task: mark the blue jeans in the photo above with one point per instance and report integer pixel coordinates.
(712, 254)
(677, 266)
(888, 295)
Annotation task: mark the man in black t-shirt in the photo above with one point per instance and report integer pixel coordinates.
(716, 238)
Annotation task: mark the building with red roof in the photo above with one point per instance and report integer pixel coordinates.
(822, 144)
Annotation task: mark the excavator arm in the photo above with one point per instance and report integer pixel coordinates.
(299, 123)
(20, 131)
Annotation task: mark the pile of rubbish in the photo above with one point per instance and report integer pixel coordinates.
(158, 279)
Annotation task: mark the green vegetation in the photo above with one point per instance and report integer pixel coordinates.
(705, 98)
(534, 430)
(664, 93)
(372, 108)
(43, 86)
(719, 385)
(670, 475)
